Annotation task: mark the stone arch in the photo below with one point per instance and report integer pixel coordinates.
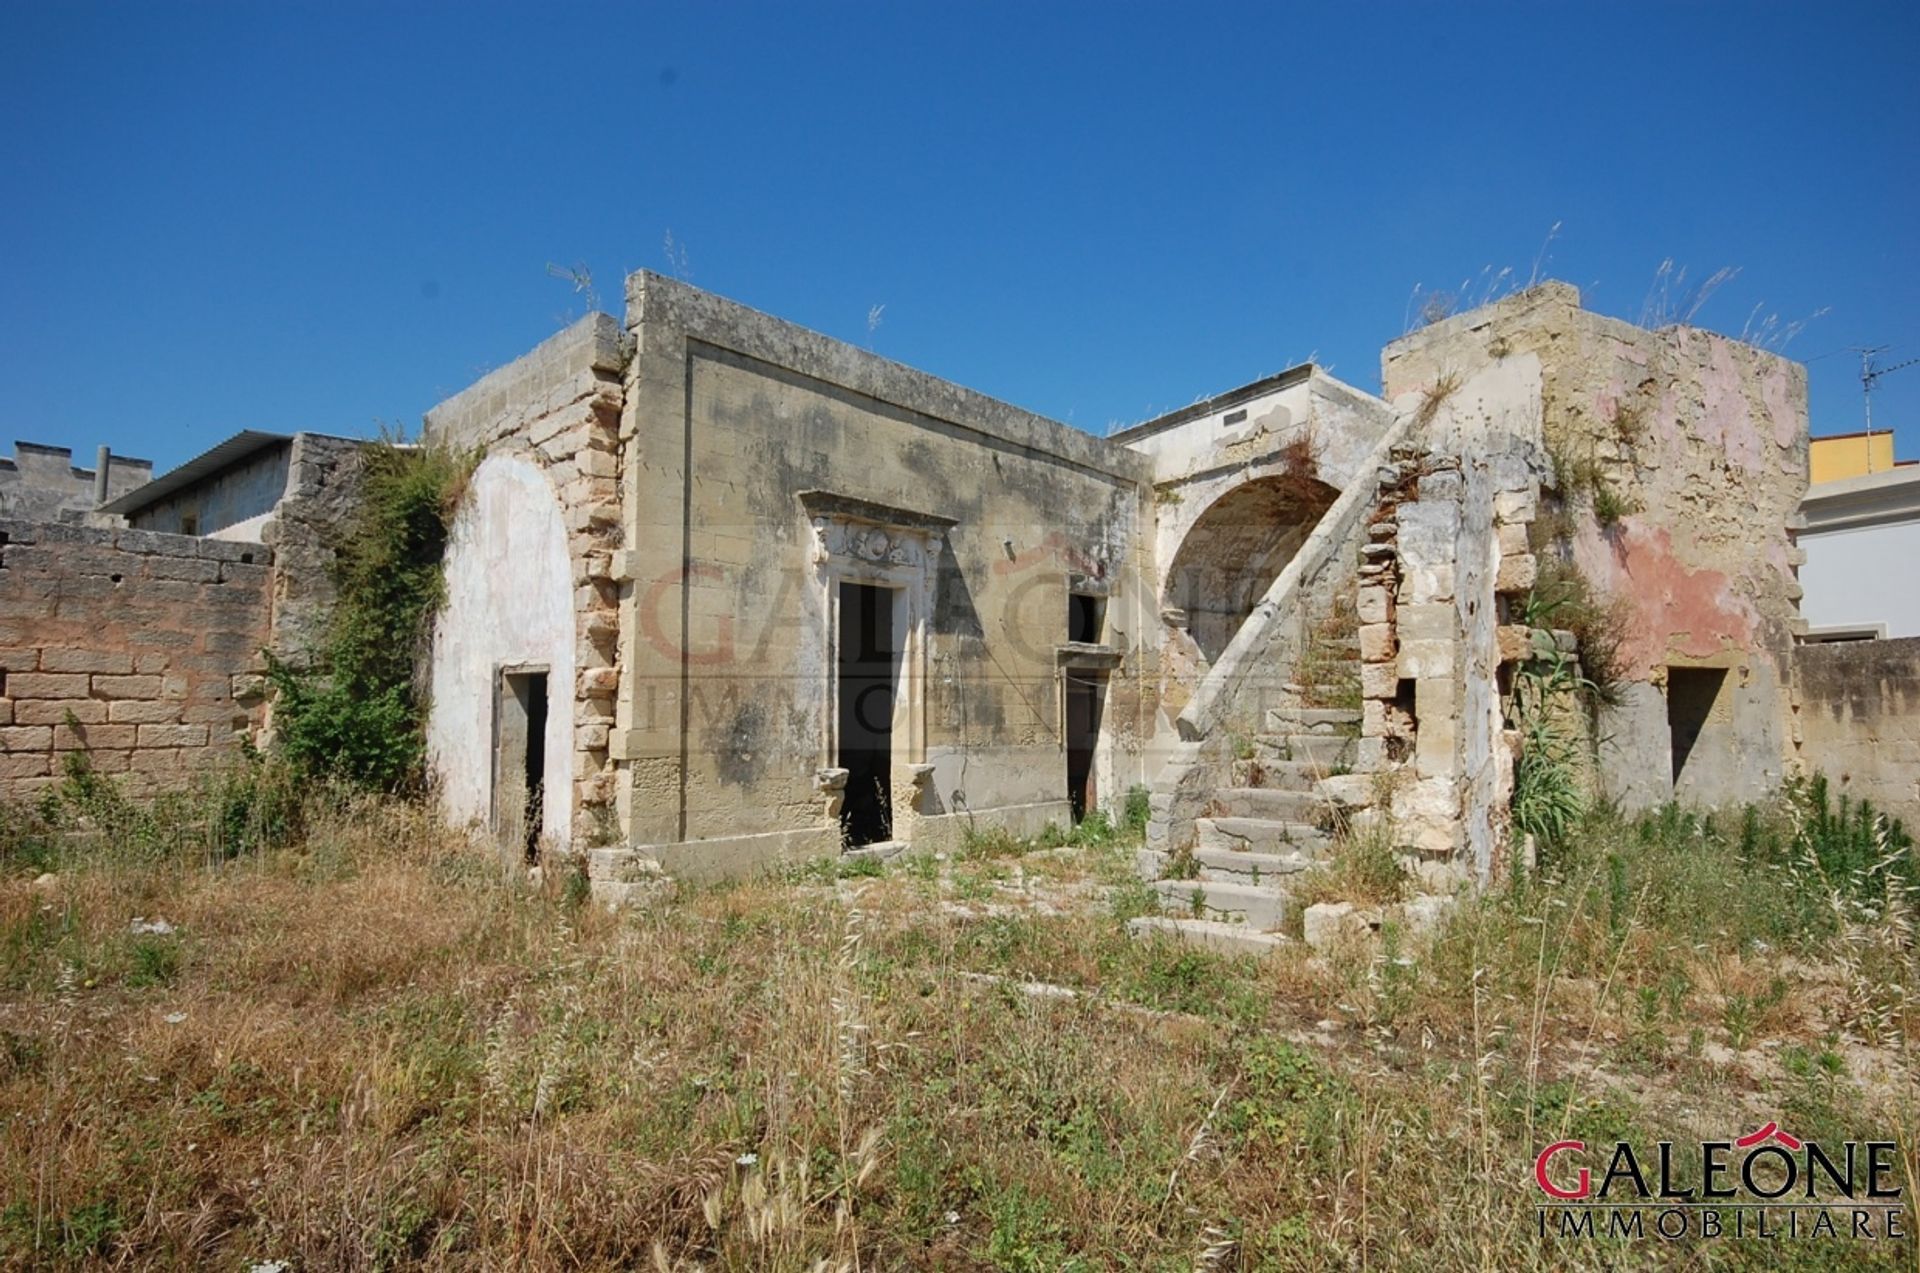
(509, 605)
(1234, 551)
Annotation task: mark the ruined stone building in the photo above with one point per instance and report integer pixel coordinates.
(42, 483)
(724, 592)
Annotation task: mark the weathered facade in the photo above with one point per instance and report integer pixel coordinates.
(728, 592)
(724, 592)
(42, 483)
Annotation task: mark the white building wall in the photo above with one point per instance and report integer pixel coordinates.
(509, 602)
(1863, 577)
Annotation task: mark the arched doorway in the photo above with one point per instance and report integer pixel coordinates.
(1236, 549)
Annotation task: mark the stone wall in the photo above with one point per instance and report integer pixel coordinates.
(763, 465)
(128, 645)
(1678, 458)
(322, 486)
(1856, 719)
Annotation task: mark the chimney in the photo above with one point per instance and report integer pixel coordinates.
(101, 460)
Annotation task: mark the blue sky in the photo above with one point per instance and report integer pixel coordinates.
(288, 216)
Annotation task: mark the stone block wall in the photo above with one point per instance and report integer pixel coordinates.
(128, 645)
(1856, 718)
(1678, 457)
(303, 530)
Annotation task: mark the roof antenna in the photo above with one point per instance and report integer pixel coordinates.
(1869, 373)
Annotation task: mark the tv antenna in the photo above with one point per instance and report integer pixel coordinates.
(1870, 373)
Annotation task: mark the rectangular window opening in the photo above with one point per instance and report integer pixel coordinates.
(1086, 618)
(869, 674)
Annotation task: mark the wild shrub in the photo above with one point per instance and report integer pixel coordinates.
(355, 709)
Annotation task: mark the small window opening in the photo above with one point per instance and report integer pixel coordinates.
(1086, 618)
(1234, 417)
(189, 523)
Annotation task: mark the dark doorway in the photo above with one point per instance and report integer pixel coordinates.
(1691, 693)
(519, 760)
(869, 675)
(1086, 699)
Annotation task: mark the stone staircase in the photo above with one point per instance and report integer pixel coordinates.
(1274, 821)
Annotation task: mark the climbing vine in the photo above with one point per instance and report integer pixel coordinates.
(355, 708)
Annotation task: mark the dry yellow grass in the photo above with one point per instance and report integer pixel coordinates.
(362, 1049)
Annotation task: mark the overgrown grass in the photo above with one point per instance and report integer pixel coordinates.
(356, 1046)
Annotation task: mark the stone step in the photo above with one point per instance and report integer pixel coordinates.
(1268, 802)
(1311, 720)
(1259, 835)
(1207, 934)
(880, 851)
(1330, 750)
(1278, 775)
(1238, 866)
(1257, 906)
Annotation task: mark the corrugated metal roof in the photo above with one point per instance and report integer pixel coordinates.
(206, 464)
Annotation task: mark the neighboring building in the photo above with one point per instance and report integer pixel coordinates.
(225, 492)
(1844, 455)
(41, 483)
(1861, 536)
(287, 491)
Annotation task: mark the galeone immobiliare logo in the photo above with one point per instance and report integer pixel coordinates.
(1768, 1183)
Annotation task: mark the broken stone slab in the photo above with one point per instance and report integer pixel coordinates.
(1207, 934)
(1330, 924)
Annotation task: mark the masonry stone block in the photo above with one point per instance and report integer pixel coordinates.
(1427, 658)
(34, 764)
(1515, 506)
(1436, 747)
(1379, 680)
(81, 660)
(68, 738)
(1426, 583)
(26, 738)
(173, 735)
(1373, 605)
(1516, 573)
(143, 712)
(1376, 642)
(21, 685)
(1426, 621)
(6, 711)
(55, 711)
(1429, 529)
